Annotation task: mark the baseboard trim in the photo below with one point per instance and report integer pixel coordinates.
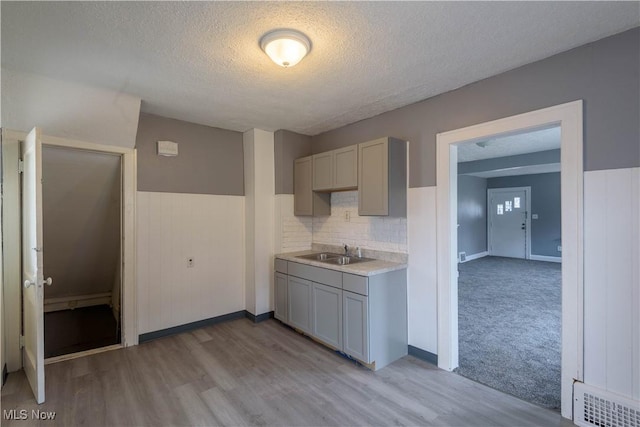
(191, 326)
(5, 374)
(66, 303)
(545, 258)
(475, 256)
(259, 318)
(423, 354)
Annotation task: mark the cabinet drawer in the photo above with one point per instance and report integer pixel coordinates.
(281, 266)
(357, 284)
(315, 274)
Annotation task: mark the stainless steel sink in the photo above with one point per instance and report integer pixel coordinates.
(332, 258)
(344, 260)
(321, 256)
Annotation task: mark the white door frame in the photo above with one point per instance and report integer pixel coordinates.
(11, 221)
(569, 117)
(527, 220)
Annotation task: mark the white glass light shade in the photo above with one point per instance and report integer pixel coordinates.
(285, 47)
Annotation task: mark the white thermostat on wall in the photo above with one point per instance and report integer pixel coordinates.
(167, 148)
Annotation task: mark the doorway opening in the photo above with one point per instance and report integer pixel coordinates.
(509, 290)
(24, 251)
(569, 118)
(82, 223)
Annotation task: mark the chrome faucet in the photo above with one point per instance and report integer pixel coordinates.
(346, 250)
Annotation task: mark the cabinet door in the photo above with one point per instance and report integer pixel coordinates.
(302, 192)
(299, 299)
(355, 319)
(323, 171)
(373, 172)
(345, 168)
(327, 314)
(280, 309)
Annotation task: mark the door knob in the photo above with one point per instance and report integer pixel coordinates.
(48, 281)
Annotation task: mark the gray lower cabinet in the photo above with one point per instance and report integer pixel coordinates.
(355, 317)
(363, 316)
(281, 301)
(299, 303)
(327, 314)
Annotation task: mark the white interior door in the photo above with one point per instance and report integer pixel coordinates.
(33, 278)
(508, 212)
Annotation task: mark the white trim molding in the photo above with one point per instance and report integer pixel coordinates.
(475, 256)
(546, 258)
(569, 117)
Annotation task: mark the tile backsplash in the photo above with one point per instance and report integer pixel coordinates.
(345, 226)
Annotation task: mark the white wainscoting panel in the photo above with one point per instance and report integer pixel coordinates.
(293, 233)
(422, 277)
(612, 280)
(173, 228)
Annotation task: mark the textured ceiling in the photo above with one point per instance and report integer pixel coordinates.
(511, 145)
(201, 62)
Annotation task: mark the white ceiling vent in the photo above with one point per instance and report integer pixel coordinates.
(597, 407)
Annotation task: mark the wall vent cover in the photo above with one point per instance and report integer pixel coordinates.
(597, 407)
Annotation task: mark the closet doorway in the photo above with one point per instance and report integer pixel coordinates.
(82, 222)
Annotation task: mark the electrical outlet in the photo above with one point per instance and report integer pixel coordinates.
(559, 248)
(190, 263)
(347, 216)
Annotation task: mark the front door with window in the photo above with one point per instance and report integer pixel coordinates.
(507, 226)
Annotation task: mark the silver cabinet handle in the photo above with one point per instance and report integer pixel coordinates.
(48, 281)
(28, 283)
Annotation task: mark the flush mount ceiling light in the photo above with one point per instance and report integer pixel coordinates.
(285, 47)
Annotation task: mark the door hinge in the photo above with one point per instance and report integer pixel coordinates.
(20, 166)
(21, 341)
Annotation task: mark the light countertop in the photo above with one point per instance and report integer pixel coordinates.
(368, 268)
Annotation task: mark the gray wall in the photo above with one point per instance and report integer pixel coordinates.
(288, 146)
(605, 74)
(81, 220)
(472, 214)
(209, 161)
(545, 201)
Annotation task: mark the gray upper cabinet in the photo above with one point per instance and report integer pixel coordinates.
(306, 202)
(336, 170)
(345, 168)
(323, 171)
(382, 177)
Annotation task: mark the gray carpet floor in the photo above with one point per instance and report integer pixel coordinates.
(509, 313)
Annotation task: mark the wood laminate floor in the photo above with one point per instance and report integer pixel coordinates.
(240, 373)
